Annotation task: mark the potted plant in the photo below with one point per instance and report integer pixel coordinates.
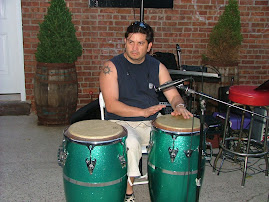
(224, 45)
(56, 86)
(226, 38)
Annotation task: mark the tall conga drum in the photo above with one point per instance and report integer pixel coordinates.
(93, 157)
(173, 159)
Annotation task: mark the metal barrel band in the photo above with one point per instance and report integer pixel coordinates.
(173, 172)
(88, 184)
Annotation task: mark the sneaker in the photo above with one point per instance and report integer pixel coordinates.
(130, 198)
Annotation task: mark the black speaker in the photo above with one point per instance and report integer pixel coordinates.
(168, 59)
(223, 95)
(259, 124)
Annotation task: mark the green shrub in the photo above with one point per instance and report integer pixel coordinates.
(226, 38)
(57, 36)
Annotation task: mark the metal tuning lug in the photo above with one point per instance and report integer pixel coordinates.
(188, 153)
(122, 161)
(149, 146)
(173, 153)
(62, 154)
(122, 157)
(90, 164)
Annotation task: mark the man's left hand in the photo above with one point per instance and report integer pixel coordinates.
(181, 110)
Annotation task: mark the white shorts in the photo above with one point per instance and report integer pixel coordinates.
(138, 136)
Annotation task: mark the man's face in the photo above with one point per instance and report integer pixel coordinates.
(136, 47)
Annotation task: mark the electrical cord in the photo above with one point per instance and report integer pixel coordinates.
(211, 67)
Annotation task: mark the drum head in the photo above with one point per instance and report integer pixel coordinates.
(177, 123)
(95, 131)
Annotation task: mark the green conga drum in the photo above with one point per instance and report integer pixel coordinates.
(93, 157)
(173, 159)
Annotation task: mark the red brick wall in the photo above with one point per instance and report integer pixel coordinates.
(101, 32)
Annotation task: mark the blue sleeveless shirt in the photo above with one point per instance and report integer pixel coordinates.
(136, 85)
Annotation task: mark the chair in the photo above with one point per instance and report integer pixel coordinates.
(144, 147)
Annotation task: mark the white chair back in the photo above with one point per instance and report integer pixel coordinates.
(102, 106)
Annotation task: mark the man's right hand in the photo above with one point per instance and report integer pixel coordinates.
(152, 110)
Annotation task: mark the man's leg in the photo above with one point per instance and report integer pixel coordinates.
(138, 134)
(129, 189)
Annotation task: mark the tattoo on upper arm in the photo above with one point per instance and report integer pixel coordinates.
(106, 70)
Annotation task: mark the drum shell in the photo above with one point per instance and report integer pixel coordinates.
(80, 185)
(176, 178)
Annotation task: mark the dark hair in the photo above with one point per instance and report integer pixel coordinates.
(140, 27)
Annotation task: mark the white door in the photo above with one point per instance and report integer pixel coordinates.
(11, 49)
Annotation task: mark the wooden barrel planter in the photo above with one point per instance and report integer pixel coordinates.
(56, 92)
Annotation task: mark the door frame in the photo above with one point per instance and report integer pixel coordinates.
(21, 74)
